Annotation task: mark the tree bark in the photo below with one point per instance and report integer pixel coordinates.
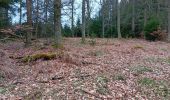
(103, 19)
(57, 22)
(88, 17)
(83, 21)
(133, 17)
(118, 20)
(37, 17)
(72, 18)
(29, 20)
(20, 12)
(168, 21)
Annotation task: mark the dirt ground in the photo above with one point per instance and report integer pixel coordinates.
(100, 69)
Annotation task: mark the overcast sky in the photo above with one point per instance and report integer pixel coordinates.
(66, 19)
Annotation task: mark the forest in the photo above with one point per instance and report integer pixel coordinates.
(84, 49)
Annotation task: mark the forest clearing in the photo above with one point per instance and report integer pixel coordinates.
(100, 69)
(84, 49)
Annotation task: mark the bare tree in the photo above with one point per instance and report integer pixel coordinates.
(29, 20)
(83, 21)
(168, 20)
(37, 17)
(133, 16)
(118, 19)
(57, 21)
(72, 17)
(88, 17)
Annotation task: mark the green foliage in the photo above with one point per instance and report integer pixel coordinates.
(2, 90)
(141, 69)
(66, 31)
(150, 27)
(5, 3)
(101, 83)
(147, 82)
(77, 29)
(96, 27)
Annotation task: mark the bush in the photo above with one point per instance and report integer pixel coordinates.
(152, 26)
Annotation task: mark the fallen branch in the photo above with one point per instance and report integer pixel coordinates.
(95, 95)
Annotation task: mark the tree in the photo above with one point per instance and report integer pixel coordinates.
(83, 21)
(118, 20)
(88, 17)
(57, 21)
(29, 20)
(133, 16)
(72, 17)
(168, 20)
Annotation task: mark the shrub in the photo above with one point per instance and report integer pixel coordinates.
(150, 27)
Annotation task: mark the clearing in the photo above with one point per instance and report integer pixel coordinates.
(101, 69)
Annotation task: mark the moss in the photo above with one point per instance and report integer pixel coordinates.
(58, 46)
(34, 96)
(119, 77)
(39, 56)
(2, 90)
(147, 82)
(141, 69)
(101, 83)
(138, 47)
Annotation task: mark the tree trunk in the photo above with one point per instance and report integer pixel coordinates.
(168, 21)
(57, 22)
(20, 12)
(46, 17)
(118, 20)
(37, 16)
(88, 17)
(29, 20)
(133, 17)
(83, 21)
(72, 18)
(103, 19)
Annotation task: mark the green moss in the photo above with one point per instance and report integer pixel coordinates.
(2, 90)
(119, 77)
(147, 82)
(138, 47)
(141, 69)
(58, 46)
(101, 83)
(35, 57)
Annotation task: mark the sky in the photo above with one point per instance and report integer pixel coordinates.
(66, 19)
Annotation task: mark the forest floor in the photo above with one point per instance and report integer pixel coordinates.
(101, 69)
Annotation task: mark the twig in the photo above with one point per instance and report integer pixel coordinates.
(95, 95)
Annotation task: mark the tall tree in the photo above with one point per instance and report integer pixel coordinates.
(72, 17)
(83, 21)
(57, 21)
(133, 16)
(103, 17)
(168, 20)
(29, 20)
(88, 17)
(37, 18)
(118, 20)
(20, 12)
